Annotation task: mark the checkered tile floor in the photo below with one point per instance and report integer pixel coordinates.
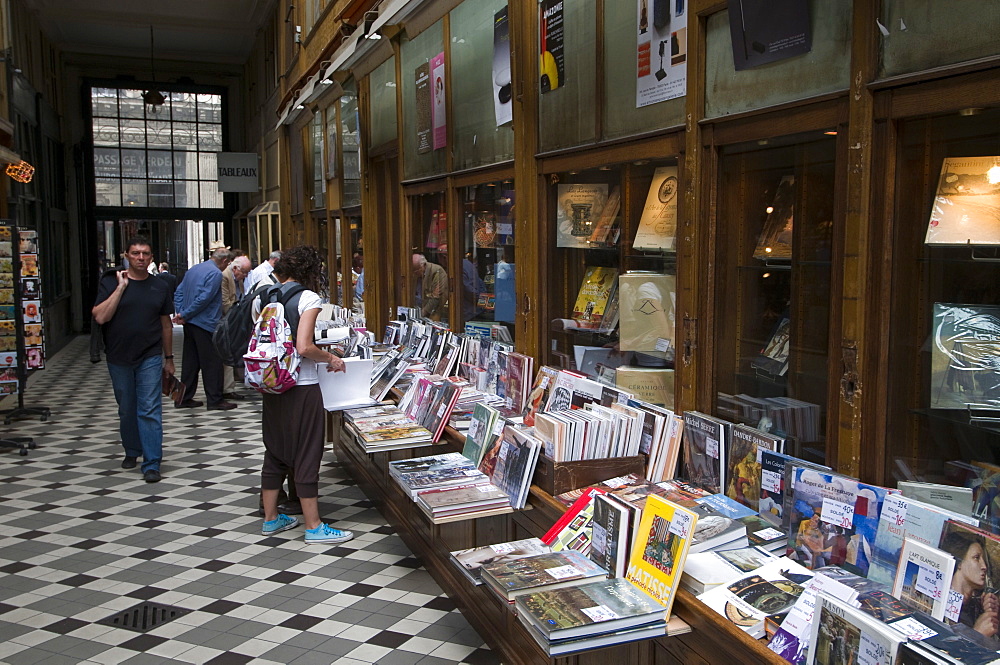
(81, 539)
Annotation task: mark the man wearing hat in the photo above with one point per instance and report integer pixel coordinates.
(198, 304)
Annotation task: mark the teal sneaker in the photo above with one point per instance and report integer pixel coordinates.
(281, 523)
(325, 534)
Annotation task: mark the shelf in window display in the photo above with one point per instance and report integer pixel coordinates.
(965, 418)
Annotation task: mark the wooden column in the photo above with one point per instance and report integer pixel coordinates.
(531, 268)
(856, 365)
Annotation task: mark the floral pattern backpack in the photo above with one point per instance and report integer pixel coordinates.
(271, 360)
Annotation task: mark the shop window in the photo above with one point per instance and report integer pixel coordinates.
(614, 288)
(774, 257)
(481, 95)
(359, 277)
(567, 114)
(825, 69)
(425, 131)
(924, 35)
(431, 282)
(317, 164)
(350, 146)
(383, 123)
(944, 339)
(487, 281)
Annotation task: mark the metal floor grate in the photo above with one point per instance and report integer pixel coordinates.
(143, 617)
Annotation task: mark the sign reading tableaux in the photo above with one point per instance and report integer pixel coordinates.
(238, 172)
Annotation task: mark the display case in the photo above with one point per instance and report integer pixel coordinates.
(944, 340)
(429, 239)
(774, 251)
(613, 292)
(487, 284)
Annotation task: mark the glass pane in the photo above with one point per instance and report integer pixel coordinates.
(383, 106)
(134, 164)
(131, 104)
(621, 117)
(107, 163)
(937, 33)
(208, 165)
(357, 262)
(109, 192)
(185, 136)
(350, 150)
(430, 223)
(104, 102)
(478, 140)
(158, 133)
(943, 340)
(185, 165)
(134, 193)
(182, 106)
(106, 132)
(161, 194)
(487, 287)
(211, 197)
(160, 165)
(209, 108)
(825, 69)
(210, 137)
(133, 133)
(417, 53)
(186, 193)
(566, 116)
(776, 205)
(318, 188)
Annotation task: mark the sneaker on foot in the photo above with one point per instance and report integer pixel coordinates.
(128, 462)
(277, 525)
(151, 476)
(326, 534)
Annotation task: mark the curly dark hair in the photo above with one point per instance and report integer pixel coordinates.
(301, 263)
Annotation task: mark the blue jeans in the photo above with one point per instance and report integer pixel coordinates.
(140, 413)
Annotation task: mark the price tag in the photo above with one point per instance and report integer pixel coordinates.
(681, 524)
(838, 513)
(894, 509)
(768, 534)
(662, 344)
(712, 447)
(623, 398)
(562, 572)
(615, 483)
(599, 613)
(770, 481)
(870, 652)
(503, 548)
(953, 606)
(545, 382)
(505, 229)
(441, 410)
(485, 488)
(498, 427)
(930, 582)
(913, 629)
(472, 472)
(599, 539)
(473, 429)
(504, 449)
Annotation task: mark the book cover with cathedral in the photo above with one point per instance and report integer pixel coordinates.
(966, 208)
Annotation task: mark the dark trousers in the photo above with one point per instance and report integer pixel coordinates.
(292, 428)
(200, 356)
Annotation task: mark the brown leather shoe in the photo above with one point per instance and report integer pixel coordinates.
(235, 397)
(221, 406)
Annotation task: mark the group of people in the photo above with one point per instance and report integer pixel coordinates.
(134, 311)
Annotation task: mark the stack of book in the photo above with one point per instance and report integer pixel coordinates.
(553, 570)
(435, 472)
(471, 561)
(385, 428)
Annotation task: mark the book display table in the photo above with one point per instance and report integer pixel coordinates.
(711, 639)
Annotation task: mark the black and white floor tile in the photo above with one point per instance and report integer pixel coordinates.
(81, 539)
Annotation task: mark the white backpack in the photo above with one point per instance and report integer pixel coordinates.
(271, 360)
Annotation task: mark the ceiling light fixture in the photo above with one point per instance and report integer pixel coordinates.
(366, 30)
(153, 99)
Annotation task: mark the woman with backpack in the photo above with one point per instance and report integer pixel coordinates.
(292, 421)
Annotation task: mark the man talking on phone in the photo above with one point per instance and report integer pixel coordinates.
(133, 310)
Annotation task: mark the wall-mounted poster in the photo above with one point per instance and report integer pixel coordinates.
(502, 93)
(577, 210)
(965, 357)
(966, 209)
(422, 79)
(552, 58)
(661, 43)
(439, 117)
(766, 31)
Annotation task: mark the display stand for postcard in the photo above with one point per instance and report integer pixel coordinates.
(20, 411)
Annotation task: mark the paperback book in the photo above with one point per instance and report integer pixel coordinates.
(612, 533)
(704, 447)
(743, 463)
(844, 635)
(595, 293)
(542, 572)
(716, 530)
(658, 223)
(660, 549)
(470, 561)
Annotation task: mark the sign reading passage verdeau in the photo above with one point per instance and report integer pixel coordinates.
(238, 172)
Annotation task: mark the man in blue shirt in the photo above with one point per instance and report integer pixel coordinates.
(198, 303)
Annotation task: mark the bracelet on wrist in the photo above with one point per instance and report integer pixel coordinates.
(168, 357)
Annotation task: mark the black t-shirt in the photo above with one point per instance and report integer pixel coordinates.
(134, 333)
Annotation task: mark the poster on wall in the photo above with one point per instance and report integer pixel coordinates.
(422, 79)
(765, 31)
(552, 57)
(439, 119)
(661, 42)
(502, 93)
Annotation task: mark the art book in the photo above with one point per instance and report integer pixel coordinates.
(482, 432)
(574, 530)
(845, 635)
(707, 570)
(470, 561)
(595, 292)
(539, 393)
(949, 497)
(923, 577)
(612, 533)
(658, 224)
(743, 463)
(965, 354)
(516, 465)
(966, 208)
(647, 313)
(974, 584)
(716, 530)
(578, 208)
(775, 241)
(654, 385)
(607, 220)
(902, 519)
(542, 572)
(933, 641)
(834, 520)
(660, 549)
(704, 451)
